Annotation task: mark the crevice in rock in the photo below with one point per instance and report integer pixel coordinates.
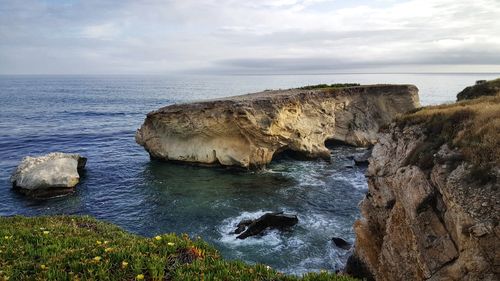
(286, 153)
(446, 264)
(332, 143)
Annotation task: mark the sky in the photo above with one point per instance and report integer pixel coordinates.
(248, 37)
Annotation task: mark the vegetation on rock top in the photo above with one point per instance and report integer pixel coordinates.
(470, 126)
(328, 86)
(482, 88)
(82, 248)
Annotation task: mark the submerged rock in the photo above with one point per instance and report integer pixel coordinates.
(49, 175)
(341, 243)
(247, 131)
(268, 220)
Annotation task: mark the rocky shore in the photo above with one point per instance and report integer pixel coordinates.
(249, 130)
(433, 206)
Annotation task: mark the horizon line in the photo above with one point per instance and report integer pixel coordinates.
(235, 74)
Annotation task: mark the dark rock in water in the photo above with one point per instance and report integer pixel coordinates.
(268, 220)
(245, 223)
(341, 243)
(240, 229)
(362, 158)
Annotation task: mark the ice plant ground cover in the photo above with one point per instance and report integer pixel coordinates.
(83, 248)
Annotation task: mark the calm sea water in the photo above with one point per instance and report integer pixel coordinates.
(97, 116)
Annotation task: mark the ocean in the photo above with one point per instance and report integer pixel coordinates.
(97, 116)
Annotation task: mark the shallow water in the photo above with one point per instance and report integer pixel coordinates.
(97, 116)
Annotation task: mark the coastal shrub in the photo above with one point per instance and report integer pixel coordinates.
(482, 88)
(329, 86)
(471, 126)
(82, 248)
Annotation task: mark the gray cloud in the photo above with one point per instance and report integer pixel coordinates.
(229, 36)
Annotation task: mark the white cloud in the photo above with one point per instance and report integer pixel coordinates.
(248, 36)
(105, 31)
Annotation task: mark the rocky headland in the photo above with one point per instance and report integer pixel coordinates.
(433, 205)
(249, 130)
(481, 88)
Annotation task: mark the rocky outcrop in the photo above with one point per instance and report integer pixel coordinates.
(433, 206)
(49, 175)
(279, 220)
(482, 88)
(247, 131)
(341, 243)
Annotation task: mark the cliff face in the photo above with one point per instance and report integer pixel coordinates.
(433, 205)
(248, 130)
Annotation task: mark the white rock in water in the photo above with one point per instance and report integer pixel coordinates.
(52, 171)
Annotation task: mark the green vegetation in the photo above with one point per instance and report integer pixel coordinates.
(82, 248)
(326, 86)
(471, 126)
(482, 88)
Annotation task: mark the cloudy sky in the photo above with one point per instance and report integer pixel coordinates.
(254, 37)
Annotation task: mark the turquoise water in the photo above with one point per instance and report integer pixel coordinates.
(97, 116)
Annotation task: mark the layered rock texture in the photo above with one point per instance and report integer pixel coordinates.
(48, 175)
(433, 206)
(247, 131)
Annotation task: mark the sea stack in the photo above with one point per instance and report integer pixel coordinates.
(49, 175)
(247, 131)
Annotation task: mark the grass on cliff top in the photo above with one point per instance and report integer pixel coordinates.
(82, 248)
(329, 86)
(472, 126)
(483, 88)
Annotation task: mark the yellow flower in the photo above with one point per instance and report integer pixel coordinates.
(98, 242)
(170, 243)
(7, 237)
(108, 250)
(98, 258)
(158, 237)
(124, 264)
(140, 277)
(106, 242)
(46, 232)
(43, 266)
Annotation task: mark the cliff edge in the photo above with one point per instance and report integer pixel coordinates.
(248, 130)
(482, 88)
(433, 206)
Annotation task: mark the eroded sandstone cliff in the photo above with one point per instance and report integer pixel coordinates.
(248, 130)
(433, 205)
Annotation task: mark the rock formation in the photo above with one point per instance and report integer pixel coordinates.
(433, 206)
(268, 220)
(49, 175)
(247, 131)
(341, 243)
